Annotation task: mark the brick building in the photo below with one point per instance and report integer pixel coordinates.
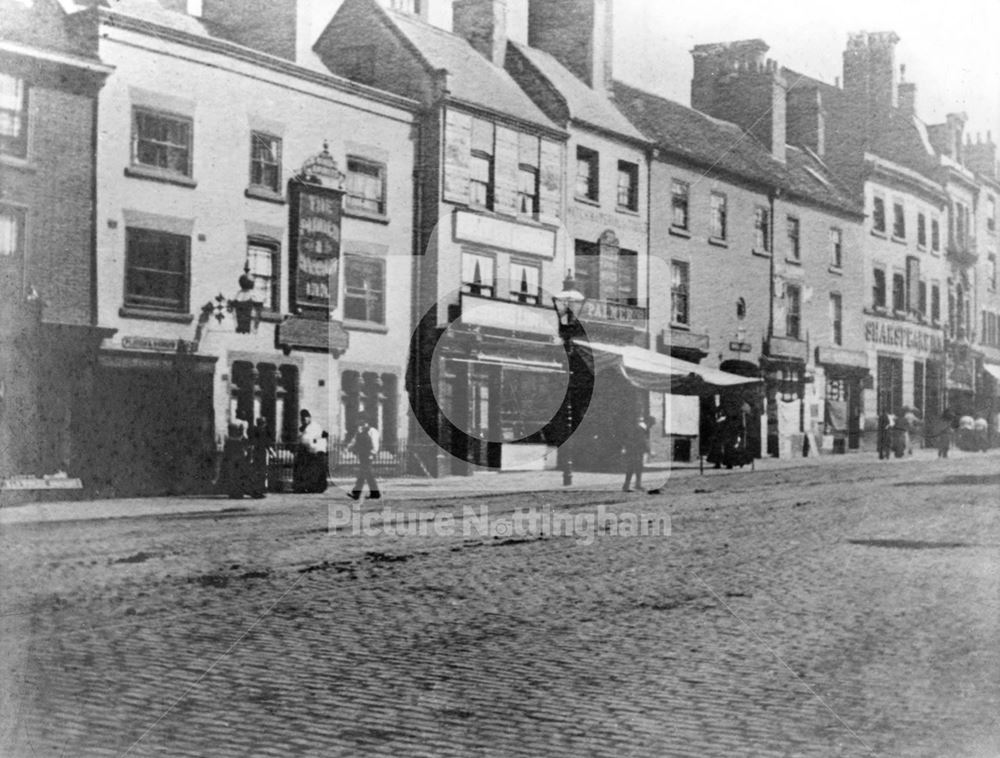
(487, 376)
(49, 83)
(253, 244)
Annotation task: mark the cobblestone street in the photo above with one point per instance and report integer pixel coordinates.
(840, 609)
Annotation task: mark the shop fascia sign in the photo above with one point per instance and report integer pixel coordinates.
(157, 344)
(903, 336)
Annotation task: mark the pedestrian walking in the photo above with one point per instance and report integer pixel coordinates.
(635, 448)
(233, 475)
(310, 472)
(260, 451)
(911, 425)
(366, 447)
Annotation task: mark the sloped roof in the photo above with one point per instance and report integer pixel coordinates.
(899, 137)
(471, 77)
(720, 146)
(152, 12)
(584, 103)
(685, 132)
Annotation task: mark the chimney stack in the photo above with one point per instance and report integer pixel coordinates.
(870, 71)
(981, 157)
(483, 23)
(806, 119)
(577, 33)
(734, 81)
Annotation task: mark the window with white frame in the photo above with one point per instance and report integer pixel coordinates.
(898, 220)
(836, 318)
(11, 232)
(794, 242)
(364, 289)
(481, 180)
(265, 161)
(157, 269)
(587, 184)
(478, 274)
(679, 293)
(793, 310)
(836, 247)
(628, 186)
(718, 220)
(365, 185)
(878, 288)
(13, 116)
(527, 190)
(761, 230)
(161, 141)
(262, 259)
(679, 193)
(878, 214)
(525, 282)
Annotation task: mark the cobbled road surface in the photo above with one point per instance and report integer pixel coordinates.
(845, 609)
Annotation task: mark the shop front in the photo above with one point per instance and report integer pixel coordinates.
(844, 374)
(784, 369)
(909, 363)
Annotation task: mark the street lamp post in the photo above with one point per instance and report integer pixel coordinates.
(568, 305)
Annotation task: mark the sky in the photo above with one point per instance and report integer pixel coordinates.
(951, 49)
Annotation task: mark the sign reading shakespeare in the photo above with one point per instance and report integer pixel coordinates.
(315, 246)
(903, 336)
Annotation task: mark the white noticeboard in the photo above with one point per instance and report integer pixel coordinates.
(680, 414)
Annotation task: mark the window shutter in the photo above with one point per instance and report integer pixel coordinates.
(457, 151)
(549, 180)
(505, 171)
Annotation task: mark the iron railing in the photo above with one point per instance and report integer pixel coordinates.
(391, 461)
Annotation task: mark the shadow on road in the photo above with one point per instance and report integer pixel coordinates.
(963, 480)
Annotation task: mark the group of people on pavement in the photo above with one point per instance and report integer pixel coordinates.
(245, 458)
(896, 433)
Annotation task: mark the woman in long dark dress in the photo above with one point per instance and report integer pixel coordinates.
(260, 446)
(233, 480)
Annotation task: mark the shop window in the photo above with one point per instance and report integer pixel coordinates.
(878, 288)
(918, 387)
(366, 185)
(13, 116)
(527, 190)
(793, 313)
(628, 186)
(794, 243)
(263, 261)
(836, 247)
(364, 289)
(265, 161)
(587, 268)
(719, 216)
(525, 282)
(11, 232)
(890, 384)
(679, 194)
(898, 221)
(878, 215)
(156, 270)
(373, 397)
(478, 274)
(587, 174)
(269, 391)
(837, 318)
(762, 230)
(161, 141)
(679, 292)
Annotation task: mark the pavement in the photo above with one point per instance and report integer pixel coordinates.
(483, 483)
(846, 608)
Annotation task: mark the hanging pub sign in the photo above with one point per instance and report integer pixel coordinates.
(315, 197)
